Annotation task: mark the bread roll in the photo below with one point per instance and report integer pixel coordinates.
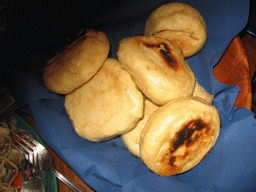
(178, 135)
(132, 138)
(179, 23)
(157, 67)
(77, 63)
(202, 93)
(108, 105)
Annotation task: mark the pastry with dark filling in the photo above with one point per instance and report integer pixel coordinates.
(157, 67)
(179, 135)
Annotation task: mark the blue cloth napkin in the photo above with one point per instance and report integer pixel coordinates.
(109, 166)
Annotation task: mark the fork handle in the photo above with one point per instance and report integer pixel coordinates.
(71, 185)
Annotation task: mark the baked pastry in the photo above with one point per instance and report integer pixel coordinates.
(180, 23)
(202, 93)
(157, 67)
(132, 138)
(178, 135)
(108, 105)
(77, 63)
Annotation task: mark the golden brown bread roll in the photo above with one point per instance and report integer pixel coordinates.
(108, 105)
(77, 63)
(178, 135)
(157, 67)
(132, 138)
(179, 23)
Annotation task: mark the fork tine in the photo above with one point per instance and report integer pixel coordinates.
(35, 158)
(21, 150)
(28, 144)
(31, 158)
(29, 138)
(25, 146)
(18, 148)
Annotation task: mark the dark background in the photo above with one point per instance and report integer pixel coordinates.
(37, 29)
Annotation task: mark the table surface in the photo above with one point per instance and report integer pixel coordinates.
(249, 44)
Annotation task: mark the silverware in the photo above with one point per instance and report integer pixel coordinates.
(37, 154)
(32, 180)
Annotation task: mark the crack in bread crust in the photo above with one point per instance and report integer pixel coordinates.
(188, 34)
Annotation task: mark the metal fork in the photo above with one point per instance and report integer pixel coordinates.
(37, 154)
(32, 180)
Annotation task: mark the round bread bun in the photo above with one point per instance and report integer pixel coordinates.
(178, 135)
(132, 138)
(202, 93)
(157, 67)
(77, 63)
(108, 105)
(179, 23)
